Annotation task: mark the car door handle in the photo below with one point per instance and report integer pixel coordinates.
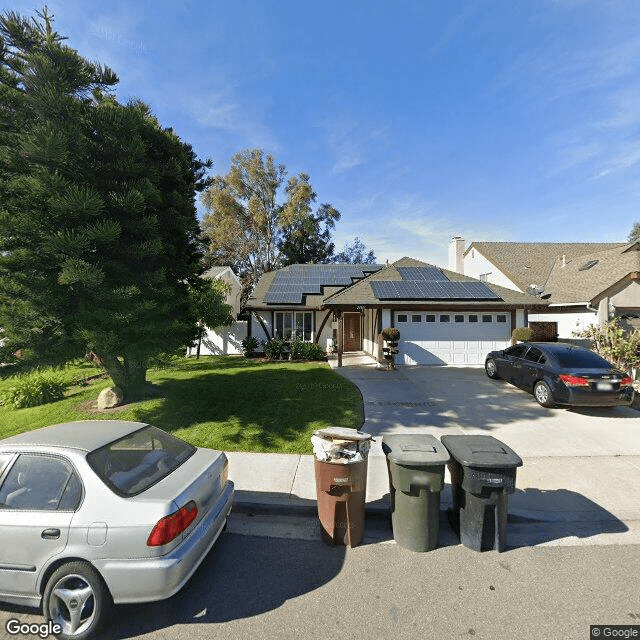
(50, 534)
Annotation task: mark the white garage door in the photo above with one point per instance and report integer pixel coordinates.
(450, 337)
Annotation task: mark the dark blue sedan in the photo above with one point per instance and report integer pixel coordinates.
(558, 373)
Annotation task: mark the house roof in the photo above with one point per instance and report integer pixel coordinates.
(527, 263)
(363, 293)
(305, 285)
(586, 278)
(214, 272)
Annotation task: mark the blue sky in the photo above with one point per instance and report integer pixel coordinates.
(419, 120)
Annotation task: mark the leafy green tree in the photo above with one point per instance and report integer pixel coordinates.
(308, 241)
(99, 238)
(247, 215)
(634, 234)
(355, 253)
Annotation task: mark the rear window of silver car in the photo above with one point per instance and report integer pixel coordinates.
(136, 462)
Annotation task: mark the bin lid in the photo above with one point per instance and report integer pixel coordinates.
(342, 433)
(481, 451)
(415, 450)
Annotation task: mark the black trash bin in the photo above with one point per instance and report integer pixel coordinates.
(483, 474)
(415, 463)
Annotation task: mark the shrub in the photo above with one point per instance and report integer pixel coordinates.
(35, 389)
(391, 334)
(249, 346)
(619, 346)
(315, 351)
(299, 349)
(275, 348)
(521, 333)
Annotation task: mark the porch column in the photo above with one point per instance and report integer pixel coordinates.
(340, 337)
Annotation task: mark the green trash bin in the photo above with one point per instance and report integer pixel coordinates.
(416, 477)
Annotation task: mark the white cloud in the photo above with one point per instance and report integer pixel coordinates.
(351, 141)
(630, 157)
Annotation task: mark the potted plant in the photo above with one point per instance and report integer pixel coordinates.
(391, 336)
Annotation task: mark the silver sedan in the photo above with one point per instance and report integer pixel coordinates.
(101, 512)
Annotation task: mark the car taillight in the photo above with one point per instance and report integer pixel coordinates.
(627, 381)
(171, 526)
(224, 474)
(574, 381)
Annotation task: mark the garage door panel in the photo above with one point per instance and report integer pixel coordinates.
(451, 342)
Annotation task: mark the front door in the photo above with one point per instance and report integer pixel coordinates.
(352, 337)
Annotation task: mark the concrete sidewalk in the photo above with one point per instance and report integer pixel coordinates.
(580, 483)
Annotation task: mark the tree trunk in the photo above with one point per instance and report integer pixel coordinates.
(130, 374)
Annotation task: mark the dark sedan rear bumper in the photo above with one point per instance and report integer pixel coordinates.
(579, 397)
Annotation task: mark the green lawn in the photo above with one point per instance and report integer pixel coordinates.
(226, 403)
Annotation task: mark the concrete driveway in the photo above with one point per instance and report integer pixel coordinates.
(458, 400)
(581, 466)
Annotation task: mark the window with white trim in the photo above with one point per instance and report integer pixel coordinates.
(290, 325)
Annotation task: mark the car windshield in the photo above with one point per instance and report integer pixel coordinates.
(577, 358)
(138, 461)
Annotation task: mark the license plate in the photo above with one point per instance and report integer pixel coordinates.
(604, 386)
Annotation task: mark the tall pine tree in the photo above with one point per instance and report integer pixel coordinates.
(99, 235)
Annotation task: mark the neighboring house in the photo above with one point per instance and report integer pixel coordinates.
(224, 340)
(443, 317)
(583, 283)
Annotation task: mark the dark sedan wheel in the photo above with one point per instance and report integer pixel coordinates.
(542, 394)
(77, 599)
(491, 369)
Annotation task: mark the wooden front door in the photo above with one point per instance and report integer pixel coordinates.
(352, 335)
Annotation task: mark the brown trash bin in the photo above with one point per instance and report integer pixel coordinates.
(341, 490)
(341, 487)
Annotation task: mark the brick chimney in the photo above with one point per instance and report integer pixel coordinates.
(456, 254)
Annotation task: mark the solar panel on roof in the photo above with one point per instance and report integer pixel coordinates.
(430, 274)
(290, 284)
(421, 290)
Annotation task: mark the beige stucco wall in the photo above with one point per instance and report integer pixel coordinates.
(627, 298)
(475, 265)
(233, 297)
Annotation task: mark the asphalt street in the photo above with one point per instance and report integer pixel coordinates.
(253, 586)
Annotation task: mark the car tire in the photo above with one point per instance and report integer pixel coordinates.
(77, 599)
(542, 394)
(491, 369)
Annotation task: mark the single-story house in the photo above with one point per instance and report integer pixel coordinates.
(289, 303)
(583, 283)
(444, 317)
(224, 340)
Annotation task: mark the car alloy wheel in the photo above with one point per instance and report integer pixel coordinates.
(542, 394)
(77, 600)
(491, 368)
